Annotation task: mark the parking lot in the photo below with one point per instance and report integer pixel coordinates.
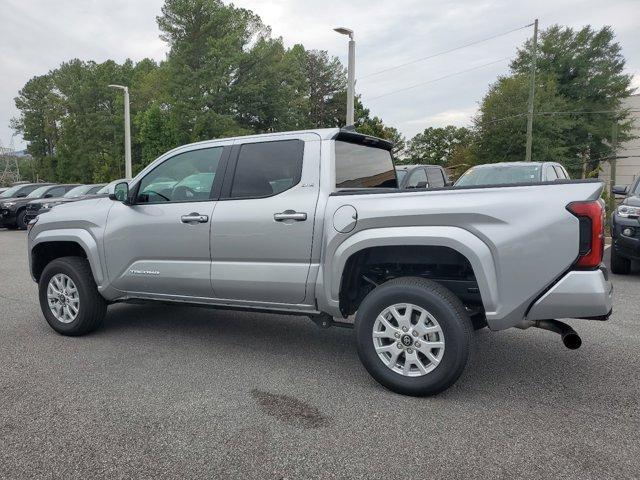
(177, 392)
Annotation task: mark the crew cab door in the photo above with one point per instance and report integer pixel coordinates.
(263, 224)
(159, 245)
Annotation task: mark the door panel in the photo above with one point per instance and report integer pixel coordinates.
(256, 256)
(160, 244)
(150, 250)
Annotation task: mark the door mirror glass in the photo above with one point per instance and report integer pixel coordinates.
(120, 192)
(619, 190)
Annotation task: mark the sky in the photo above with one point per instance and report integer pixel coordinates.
(37, 35)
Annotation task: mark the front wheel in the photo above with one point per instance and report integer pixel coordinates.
(69, 298)
(414, 336)
(21, 220)
(619, 264)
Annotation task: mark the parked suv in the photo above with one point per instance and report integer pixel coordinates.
(313, 223)
(37, 207)
(625, 229)
(422, 176)
(13, 211)
(507, 173)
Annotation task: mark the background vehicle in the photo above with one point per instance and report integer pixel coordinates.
(20, 190)
(312, 223)
(13, 211)
(422, 176)
(36, 207)
(512, 172)
(625, 229)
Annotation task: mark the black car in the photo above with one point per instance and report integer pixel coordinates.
(422, 176)
(36, 207)
(625, 229)
(13, 211)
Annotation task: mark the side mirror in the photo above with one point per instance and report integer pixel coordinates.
(620, 190)
(421, 185)
(448, 183)
(21, 195)
(120, 193)
(48, 195)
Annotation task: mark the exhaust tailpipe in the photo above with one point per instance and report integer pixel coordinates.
(569, 336)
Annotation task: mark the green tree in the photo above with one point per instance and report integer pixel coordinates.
(501, 125)
(577, 71)
(436, 145)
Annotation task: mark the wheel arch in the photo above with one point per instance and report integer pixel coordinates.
(461, 241)
(52, 244)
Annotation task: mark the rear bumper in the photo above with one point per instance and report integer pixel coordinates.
(579, 294)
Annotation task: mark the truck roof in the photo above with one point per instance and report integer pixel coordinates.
(323, 133)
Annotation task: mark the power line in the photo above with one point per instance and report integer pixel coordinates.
(574, 112)
(436, 79)
(444, 52)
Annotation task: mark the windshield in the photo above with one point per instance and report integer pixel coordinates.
(77, 191)
(11, 192)
(94, 189)
(636, 191)
(500, 175)
(359, 166)
(108, 188)
(39, 192)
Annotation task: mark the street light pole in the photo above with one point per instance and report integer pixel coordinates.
(532, 91)
(351, 75)
(127, 131)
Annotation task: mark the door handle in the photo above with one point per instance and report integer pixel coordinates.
(194, 217)
(290, 215)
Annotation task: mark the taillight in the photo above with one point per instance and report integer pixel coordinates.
(591, 218)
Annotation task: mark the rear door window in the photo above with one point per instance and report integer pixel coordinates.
(56, 192)
(267, 168)
(435, 177)
(418, 179)
(551, 173)
(360, 166)
(560, 173)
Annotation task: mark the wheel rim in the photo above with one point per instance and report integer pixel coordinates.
(63, 298)
(408, 339)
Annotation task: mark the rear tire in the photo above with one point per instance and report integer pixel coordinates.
(435, 359)
(619, 265)
(21, 221)
(69, 297)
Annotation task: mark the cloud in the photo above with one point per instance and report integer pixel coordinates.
(38, 35)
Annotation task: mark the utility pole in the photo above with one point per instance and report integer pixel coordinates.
(127, 131)
(532, 90)
(612, 164)
(351, 74)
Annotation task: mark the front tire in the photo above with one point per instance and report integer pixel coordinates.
(69, 297)
(619, 265)
(414, 336)
(21, 220)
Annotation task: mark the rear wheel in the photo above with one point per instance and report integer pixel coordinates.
(69, 298)
(619, 265)
(414, 336)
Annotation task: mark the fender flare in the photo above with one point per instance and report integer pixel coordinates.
(82, 238)
(464, 242)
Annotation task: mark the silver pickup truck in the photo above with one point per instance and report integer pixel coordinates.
(312, 223)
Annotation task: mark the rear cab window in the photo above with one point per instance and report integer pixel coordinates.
(363, 166)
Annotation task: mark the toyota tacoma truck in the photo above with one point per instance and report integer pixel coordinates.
(313, 223)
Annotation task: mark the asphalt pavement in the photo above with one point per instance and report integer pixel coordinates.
(181, 392)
